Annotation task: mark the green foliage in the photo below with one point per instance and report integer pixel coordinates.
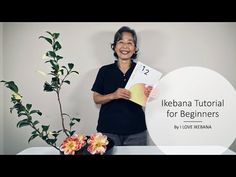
(58, 71)
(11, 85)
(47, 39)
(59, 74)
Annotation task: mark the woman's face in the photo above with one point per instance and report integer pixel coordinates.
(125, 47)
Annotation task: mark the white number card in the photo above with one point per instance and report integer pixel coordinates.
(141, 82)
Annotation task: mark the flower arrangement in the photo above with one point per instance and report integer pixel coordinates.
(78, 143)
(73, 143)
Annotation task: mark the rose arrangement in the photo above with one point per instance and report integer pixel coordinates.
(73, 143)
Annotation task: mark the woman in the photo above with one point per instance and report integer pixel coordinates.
(119, 118)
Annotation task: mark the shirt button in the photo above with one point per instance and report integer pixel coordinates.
(124, 79)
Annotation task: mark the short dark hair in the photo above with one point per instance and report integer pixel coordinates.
(118, 37)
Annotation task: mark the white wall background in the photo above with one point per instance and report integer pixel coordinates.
(164, 46)
(1, 93)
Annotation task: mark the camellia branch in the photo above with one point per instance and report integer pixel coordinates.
(61, 113)
(55, 86)
(28, 121)
(57, 72)
(39, 133)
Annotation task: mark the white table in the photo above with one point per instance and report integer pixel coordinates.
(141, 150)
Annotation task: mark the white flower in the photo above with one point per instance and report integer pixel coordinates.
(16, 96)
(42, 73)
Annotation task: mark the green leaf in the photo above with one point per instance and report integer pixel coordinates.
(49, 33)
(22, 114)
(77, 119)
(11, 109)
(29, 118)
(66, 69)
(11, 85)
(75, 72)
(47, 39)
(72, 132)
(35, 122)
(59, 131)
(55, 82)
(33, 111)
(28, 106)
(3, 81)
(53, 73)
(51, 141)
(20, 108)
(70, 65)
(56, 46)
(51, 54)
(66, 81)
(56, 35)
(71, 124)
(45, 127)
(32, 137)
(34, 132)
(55, 66)
(52, 62)
(59, 57)
(44, 137)
(23, 123)
(48, 87)
(39, 113)
(36, 111)
(62, 71)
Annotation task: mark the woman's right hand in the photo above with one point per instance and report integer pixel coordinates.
(121, 93)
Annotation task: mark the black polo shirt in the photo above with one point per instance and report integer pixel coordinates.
(118, 116)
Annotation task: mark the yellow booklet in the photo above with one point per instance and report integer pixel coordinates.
(142, 81)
